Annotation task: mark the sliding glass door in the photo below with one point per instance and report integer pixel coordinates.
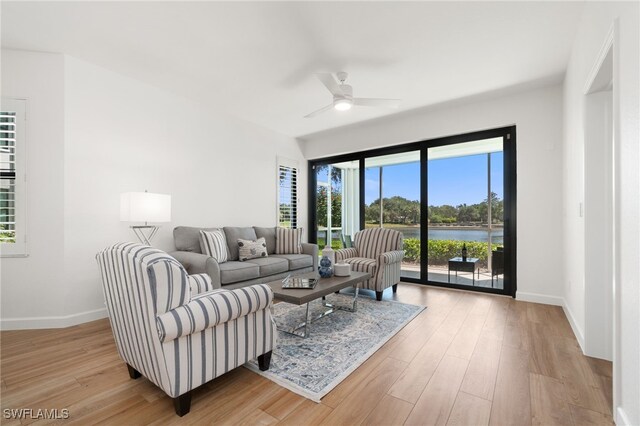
(337, 203)
(452, 198)
(392, 200)
(466, 213)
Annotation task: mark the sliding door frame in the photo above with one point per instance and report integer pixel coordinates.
(510, 197)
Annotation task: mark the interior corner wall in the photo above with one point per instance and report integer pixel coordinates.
(33, 287)
(117, 134)
(537, 115)
(597, 21)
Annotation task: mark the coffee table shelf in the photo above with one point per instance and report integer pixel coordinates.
(324, 287)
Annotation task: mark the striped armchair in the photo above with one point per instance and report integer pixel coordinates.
(173, 328)
(379, 252)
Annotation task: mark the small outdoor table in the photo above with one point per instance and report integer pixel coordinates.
(470, 265)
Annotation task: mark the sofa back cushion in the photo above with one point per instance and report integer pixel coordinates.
(187, 238)
(269, 235)
(234, 233)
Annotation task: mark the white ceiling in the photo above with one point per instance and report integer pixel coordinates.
(256, 60)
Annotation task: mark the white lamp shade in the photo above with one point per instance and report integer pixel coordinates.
(145, 207)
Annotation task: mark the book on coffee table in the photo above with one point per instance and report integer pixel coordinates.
(299, 283)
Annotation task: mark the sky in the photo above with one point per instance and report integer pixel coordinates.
(452, 181)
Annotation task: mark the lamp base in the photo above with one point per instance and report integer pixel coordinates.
(145, 233)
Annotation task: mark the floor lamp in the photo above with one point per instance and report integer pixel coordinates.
(145, 207)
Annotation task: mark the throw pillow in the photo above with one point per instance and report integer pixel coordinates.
(288, 241)
(214, 244)
(251, 249)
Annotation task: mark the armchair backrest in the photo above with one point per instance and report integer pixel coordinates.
(373, 241)
(139, 283)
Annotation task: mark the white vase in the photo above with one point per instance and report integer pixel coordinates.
(330, 253)
(342, 269)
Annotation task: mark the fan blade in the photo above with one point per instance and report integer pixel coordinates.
(330, 83)
(320, 111)
(375, 102)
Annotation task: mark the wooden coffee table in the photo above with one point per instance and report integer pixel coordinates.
(324, 287)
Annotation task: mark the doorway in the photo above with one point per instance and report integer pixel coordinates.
(599, 188)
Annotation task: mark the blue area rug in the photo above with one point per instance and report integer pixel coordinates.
(337, 344)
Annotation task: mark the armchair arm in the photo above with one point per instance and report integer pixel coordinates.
(390, 257)
(197, 263)
(212, 308)
(311, 249)
(346, 253)
(199, 283)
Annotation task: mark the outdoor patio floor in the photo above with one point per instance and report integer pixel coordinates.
(439, 274)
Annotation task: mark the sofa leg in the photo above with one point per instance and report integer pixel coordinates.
(264, 360)
(182, 404)
(395, 288)
(378, 296)
(133, 373)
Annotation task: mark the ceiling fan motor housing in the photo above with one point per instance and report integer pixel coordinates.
(347, 92)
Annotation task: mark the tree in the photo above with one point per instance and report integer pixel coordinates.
(497, 209)
(336, 207)
(395, 210)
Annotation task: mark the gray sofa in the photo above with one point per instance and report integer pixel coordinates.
(235, 274)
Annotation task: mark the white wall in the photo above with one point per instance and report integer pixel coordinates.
(597, 21)
(538, 117)
(123, 135)
(38, 279)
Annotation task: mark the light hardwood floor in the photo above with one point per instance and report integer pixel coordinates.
(469, 359)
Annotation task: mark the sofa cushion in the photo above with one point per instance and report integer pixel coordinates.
(234, 233)
(251, 249)
(233, 272)
(270, 265)
(187, 238)
(296, 261)
(269, 235)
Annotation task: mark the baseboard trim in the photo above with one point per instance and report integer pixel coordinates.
(621, 417)
(52, 322)
(539, 298)
(577, 331)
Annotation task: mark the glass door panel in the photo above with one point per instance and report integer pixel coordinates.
(465, 212)
(337, 203)
(392, 200)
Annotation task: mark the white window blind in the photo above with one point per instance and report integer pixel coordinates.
(12, 178)
(287, 194)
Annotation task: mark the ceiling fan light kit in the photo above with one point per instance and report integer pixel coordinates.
(342, 104)
(343, 98)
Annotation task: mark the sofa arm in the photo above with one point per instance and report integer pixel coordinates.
(212, 308)
(312, 250)
(197, 263)
(390, 257)
(346, 253)
(199, 283)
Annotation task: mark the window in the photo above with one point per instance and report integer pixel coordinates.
(12, 178)
(287, 193)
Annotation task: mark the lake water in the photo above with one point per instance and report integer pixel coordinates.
(455, 234)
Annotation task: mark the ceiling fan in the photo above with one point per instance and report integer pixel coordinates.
(343, 98)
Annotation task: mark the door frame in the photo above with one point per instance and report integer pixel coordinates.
(508, 134)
